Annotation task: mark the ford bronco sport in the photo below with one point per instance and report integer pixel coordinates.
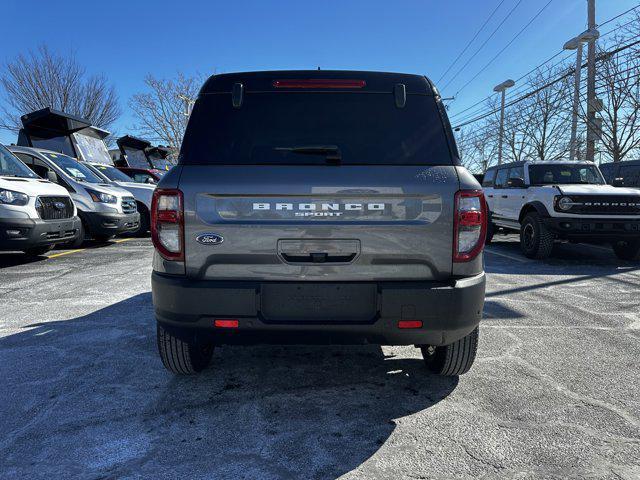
(562, 200)
(318, 207)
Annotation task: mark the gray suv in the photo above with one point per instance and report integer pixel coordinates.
(318, 207)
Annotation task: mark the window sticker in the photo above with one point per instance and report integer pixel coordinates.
(76, 173)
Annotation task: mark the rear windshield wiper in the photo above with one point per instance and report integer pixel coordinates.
(331, 152)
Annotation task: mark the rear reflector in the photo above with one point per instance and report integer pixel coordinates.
(225, 323)
(410, 324)
(319, 83)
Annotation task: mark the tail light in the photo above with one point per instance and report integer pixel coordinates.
(167, 223)
(469, 225)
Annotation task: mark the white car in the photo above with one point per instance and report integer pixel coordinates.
(561, 200)
(142, 192)
(35, 214)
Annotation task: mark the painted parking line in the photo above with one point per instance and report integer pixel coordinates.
(69, 252)
(66, 252)
(506, 255)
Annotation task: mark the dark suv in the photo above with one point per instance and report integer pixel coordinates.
(318, 207)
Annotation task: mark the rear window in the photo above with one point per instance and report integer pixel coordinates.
(366, 128)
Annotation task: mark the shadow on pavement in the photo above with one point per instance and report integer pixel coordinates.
(15, 259)
(89, 397)
(504, 256)
(494, 309)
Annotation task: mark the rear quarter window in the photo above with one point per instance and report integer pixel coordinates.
(489, 177)
(501, 177)
(607, 172)
(630, 175)
(367, 127)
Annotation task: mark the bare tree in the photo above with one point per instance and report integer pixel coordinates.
(515, 140)
(485, 144)
(42, 79)
(544, 117)
(161, 112)
(618, 78)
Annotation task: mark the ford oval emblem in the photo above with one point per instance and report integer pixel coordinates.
(210, 239)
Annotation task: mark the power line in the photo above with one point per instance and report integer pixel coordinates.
(618, 16)
(483, 44)
(471, 41)
(548, 84)
(506, 46)
(457, 114)
(521, 88)
(467, 141)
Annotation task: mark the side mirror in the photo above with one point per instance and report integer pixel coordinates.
(618, 182)
(150, 180)
(52, 176)
(517, 183)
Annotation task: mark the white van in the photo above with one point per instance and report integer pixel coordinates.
(105, 210)
(35, 214)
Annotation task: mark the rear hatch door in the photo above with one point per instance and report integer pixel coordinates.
(318, 184)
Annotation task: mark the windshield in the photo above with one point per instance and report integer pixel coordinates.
(564, 174)
(136, 158)
(288, 128)
(73, 168)
(112, 173)
(10, 166)
(92, 149)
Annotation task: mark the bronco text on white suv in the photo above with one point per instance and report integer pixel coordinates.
(545, 201)
(318, 207)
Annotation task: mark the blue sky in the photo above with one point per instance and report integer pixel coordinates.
(128, 39)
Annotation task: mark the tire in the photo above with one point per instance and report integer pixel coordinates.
(536, 241)
(77, 243)
(490, 231)
(183, 357)
(627, 249)
(38, 251)
(453, 359)
(143, 226)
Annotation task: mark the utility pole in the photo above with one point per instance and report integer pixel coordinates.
(576, 44)
(591, 84)
(502, 89)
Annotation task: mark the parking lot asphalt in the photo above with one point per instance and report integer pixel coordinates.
(554, 393)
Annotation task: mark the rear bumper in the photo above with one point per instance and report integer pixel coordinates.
(593, 229)
(23, 233)
(101, 223)
(448, 311)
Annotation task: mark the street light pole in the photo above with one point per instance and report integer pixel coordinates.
(576, 103)
(502, 89)
(576, 44)
(591, 84)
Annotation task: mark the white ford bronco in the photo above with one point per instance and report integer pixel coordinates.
(561, 200)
